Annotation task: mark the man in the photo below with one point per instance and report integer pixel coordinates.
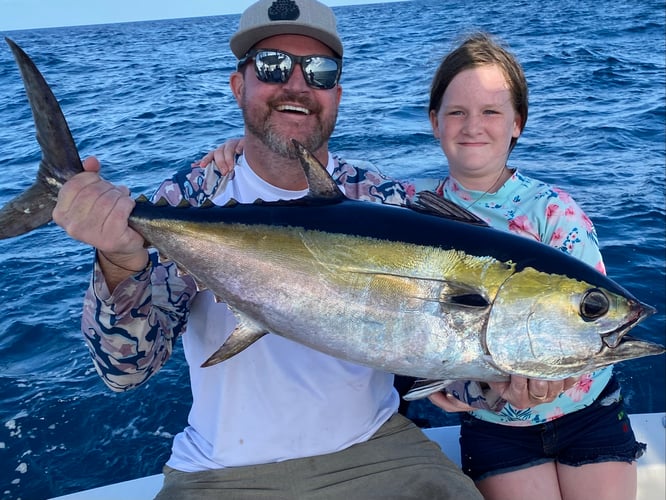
(278, 420)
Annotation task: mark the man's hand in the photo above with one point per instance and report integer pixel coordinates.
(96, 212)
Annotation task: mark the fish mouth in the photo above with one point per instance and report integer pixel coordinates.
(639, 312)
(618, 346)
(630, 347)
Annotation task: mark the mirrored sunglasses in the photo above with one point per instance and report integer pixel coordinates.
(277, 66)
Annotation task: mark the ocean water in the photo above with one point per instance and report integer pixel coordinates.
(149, 98)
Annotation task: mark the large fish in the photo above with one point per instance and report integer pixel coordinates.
(424, 291)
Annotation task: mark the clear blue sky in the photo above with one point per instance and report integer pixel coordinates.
(25, 14)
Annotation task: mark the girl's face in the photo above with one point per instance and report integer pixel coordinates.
(475, 124)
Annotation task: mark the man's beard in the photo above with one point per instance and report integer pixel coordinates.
(260, 125)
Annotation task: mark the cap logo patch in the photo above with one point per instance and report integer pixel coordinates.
(283, 10)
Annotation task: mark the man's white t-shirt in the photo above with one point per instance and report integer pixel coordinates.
(276, 400)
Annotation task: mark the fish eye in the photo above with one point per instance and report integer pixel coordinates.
(594, 304)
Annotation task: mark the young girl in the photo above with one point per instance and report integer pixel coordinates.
(578, 445)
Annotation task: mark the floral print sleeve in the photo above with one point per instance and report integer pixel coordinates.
(131, 332)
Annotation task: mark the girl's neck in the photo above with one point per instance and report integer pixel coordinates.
(486, 184)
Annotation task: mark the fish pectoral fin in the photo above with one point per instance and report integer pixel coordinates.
(373, 267)
(448, 294)
(423, 388)
(245, 334)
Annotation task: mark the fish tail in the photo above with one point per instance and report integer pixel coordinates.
(60, 157)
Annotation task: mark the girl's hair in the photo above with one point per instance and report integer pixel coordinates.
(480, 49)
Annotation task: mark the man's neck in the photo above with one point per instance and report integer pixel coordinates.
(277, 170)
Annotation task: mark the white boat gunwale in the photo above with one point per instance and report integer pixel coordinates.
(649, 428)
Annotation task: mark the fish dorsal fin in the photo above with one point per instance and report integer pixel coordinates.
(246, 333)
(320, 183)
(431, 203)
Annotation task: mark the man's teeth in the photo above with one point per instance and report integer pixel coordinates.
(295, 109)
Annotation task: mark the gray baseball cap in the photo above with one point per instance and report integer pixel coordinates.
(267, 18)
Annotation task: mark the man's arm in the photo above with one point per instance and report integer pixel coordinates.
(132, 331)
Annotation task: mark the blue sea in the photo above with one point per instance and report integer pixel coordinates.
(148, 98)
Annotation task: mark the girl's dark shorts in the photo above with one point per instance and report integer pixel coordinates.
(600, 432)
